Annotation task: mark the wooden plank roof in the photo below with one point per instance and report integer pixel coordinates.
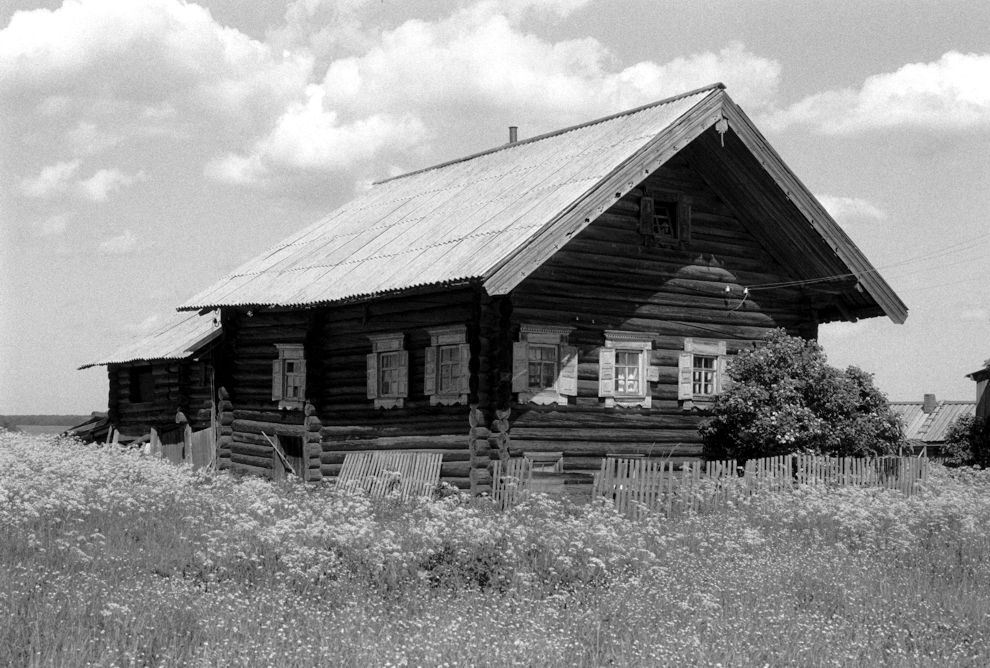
(181, 337)
(930, 427)
(494, 217)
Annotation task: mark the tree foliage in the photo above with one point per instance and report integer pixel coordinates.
(967, 442)
(784, 397)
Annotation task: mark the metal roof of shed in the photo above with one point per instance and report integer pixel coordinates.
(495, 216)
(181, 337)
(930, 427)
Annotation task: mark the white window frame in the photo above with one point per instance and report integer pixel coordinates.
(639, 343)
(694, 349)
(450, 339)
(388, 346)
(283, 381)
(703, 376)
(565, 382)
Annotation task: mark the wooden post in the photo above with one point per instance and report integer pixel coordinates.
(225, 416)
(180, 418)
(312, 444)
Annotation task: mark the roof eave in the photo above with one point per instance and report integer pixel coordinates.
(816, 214)
(350, 299)
(190, 350)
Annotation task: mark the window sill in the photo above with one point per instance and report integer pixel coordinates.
(390, 402)
(698, 404)
(628, 402)
(448, 399)
(289, 405)
(545, 397)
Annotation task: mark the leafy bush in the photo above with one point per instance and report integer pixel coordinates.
(785, 397)
(968, 442)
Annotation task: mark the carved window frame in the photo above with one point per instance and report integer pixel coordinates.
(638, 343)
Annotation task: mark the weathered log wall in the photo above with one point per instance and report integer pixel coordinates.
(178, 386)
(249, 348)
(607, 278)
(336, 344)
(350, 420)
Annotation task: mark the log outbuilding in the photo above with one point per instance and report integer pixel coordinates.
(576, 294)
(169, 371)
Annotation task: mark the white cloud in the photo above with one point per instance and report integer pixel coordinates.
(976, 314)
(102, 183)
(87, 139)
(121, 64)
(100, 73)
(478, 58)
(57, 179)
(310, 137)
(53, 225)
(52, 180)
(119, 245)
(852, 207)
(950, 94)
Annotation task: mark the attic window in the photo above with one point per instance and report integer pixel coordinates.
(664, 219)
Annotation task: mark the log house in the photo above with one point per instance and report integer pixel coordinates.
(168, 371)
(575, 295)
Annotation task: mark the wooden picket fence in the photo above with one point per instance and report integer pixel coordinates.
(639, 486)
(185, 446)
(511, 481)
(383, 472)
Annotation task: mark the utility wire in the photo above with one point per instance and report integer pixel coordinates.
(941, 252)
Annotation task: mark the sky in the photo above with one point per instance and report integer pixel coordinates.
(148, 147)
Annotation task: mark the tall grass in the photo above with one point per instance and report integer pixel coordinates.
(111, 559)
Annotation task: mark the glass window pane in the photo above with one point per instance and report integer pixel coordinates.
(627, 373)
(704, 375)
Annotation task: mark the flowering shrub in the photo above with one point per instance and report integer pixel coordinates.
(967, 442)
(110, 559)
(785, 398)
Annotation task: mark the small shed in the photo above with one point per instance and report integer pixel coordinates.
(982, 378)
(927, 422)
(167, 371)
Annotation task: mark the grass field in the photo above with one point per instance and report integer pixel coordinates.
(110, 559)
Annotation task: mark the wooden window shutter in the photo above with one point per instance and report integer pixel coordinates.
(724, 382)
(520, 366)
(567, 381)
(403, 374)
(606, 373)
(685, 376)
(301, 363)
(646, 211)
(430, 370)
(464, 380)
(276, 380)
(373, 376)
(684, 220)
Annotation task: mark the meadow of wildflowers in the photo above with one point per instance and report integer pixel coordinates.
(108, 558)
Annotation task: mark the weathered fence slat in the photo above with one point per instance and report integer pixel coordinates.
(636, 485)
(380, 473)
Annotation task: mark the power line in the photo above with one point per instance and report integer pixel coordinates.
(945, 250)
